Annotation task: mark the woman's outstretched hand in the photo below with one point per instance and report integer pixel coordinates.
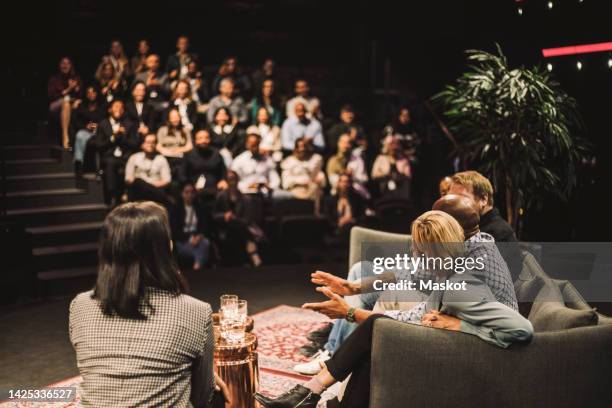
(337, 285)
(439, 320)
(335, 308)
(220, 385)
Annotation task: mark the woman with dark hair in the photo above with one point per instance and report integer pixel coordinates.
(224, 135)
(173, 141)
(88, 114)
(183, 102)
(64, 89)
(268, 99)
(137, 64)
(117, 58)
(139, 340)
(140, 111)
(111, 84)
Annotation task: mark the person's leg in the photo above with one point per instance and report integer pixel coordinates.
(200, 253)
(141, 190)
(65, 121)
(80, 144)
(110, 177)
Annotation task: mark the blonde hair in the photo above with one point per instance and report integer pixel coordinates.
(437, 234)
(479, 184)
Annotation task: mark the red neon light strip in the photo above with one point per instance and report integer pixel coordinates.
(577, 49)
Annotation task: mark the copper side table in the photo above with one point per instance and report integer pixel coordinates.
(238, 367)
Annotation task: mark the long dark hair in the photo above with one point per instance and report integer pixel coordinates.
(135, 253)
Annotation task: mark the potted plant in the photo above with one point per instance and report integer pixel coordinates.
(517, 127)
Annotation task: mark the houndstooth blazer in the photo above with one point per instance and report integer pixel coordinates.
(144, 363)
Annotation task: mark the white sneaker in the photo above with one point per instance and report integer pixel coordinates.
(315, 365)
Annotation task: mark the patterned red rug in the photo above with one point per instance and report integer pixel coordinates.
(281, 331)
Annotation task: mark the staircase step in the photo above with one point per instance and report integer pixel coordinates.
(55, 215)
(37, 166)
(40, 181)
(65, 256)
(16, 152)
(67, 273)
(46, 198)
(65, 233)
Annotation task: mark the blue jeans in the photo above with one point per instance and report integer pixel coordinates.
(80, 144)
(342, 328)
(199, 253)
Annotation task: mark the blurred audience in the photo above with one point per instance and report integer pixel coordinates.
(301, 126)
(147, 173)
(302, 95)
(302, 173)
(88, 114)
(204, 167)
(345, 161)
(391, 169)
(63, 90)
(347, 126)
(227, 99)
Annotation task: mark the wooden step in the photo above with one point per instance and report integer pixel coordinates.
(46, 198)
(15, 152)
(37, 166)
(46, 181)
(62, 234)
(65, 256)
(54, 215)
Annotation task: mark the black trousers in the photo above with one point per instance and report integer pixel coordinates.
(140, 190)
(354, 357)
(114, 169)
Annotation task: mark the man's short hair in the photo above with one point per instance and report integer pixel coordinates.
(479, 184)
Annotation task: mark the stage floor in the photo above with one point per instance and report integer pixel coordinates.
(34, 345)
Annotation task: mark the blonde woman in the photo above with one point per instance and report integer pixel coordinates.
(473, 311)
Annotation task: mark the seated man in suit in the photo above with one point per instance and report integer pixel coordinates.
(140, 111)
(115, 140)
(204, 167)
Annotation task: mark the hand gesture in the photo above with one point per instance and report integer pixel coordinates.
(439, 320)
(221, 386)
(334, 308)
(337, 285)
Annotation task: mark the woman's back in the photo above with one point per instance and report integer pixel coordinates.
(143, 362)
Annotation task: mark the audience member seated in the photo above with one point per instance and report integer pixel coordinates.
(345, 161)
(187, 108)
(177, 64)
(147, 173)
(116, 139)
(117, 58)
(138, 61)
(111, 84)
(301, 126)
(391, 170)
(229, 70)
(225, 135)
(267, 72)
(173, 364)
(173, 141)
(237, 220)
(267, 98)
(140, 111)
(347, 126)
(403, 128)
(227, 99)
(88, 114)
(444, 186)
(345, 207)
(257, 172)
(302, 173)
(63, 90)
(302, 95)
(190, 226)
(270, 135)
(158, 85)
(204, 167)
(491, 321)
(199, 88)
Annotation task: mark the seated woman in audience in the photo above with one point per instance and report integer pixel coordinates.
(116, 56)
(347, 161)
(87, 116)
(137, 64)
(147, 173)
(268, 99)
(345, 207)
(111, 84)
(437, 235)
(63, 90)
(139, 298)
(238, 221)
(187, 108)
(189, 228)
(229, 69)
(391, 169)
(403, 128)
(302, 175)
(224, 135)
(140, 111)
(173, 141)
(270, 135)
